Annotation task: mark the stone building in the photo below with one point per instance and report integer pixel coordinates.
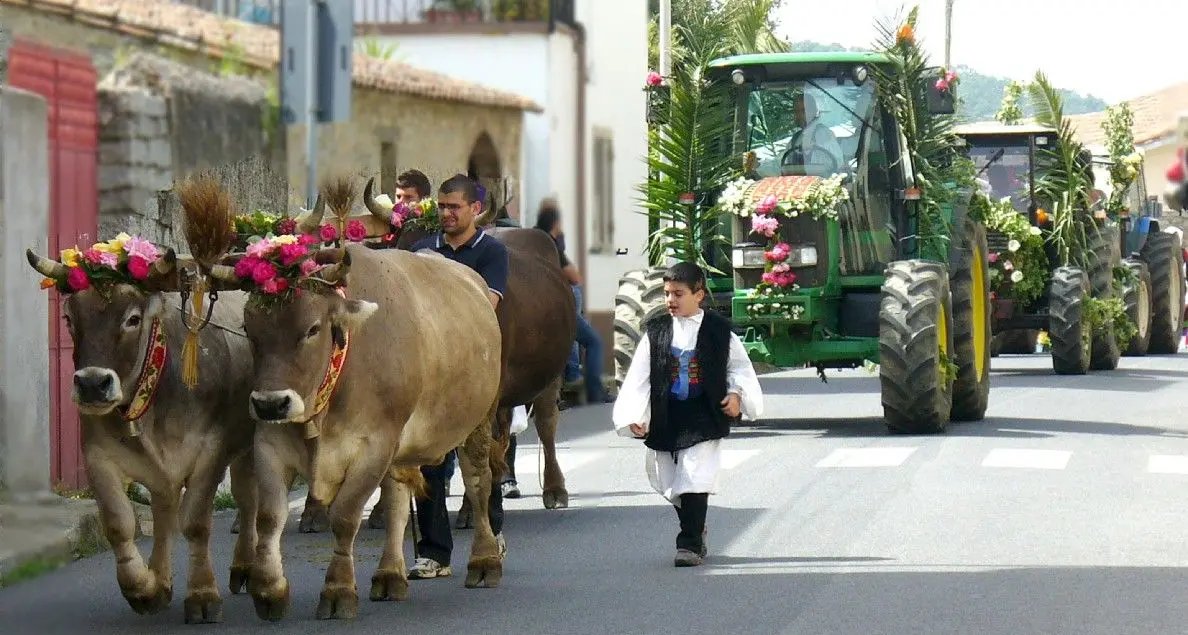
(402, 117)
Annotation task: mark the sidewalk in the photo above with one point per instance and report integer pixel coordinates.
(37, 537)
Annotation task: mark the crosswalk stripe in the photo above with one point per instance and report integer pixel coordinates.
(867, 457)
(1167, 464)
(1032, 459)
(734, 458)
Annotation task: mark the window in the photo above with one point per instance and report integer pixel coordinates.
(388, 171)
(604, 193)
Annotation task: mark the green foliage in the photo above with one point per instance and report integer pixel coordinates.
(1062, 178)
(373, 47)
(1102, 314)
(1020, 273)
(1011, 112)
(940, 170)
(1124, 160)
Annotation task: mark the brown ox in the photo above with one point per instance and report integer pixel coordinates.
(421, 377)
(186, 438)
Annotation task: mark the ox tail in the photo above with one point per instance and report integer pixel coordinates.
(412, 478)
(497, 456)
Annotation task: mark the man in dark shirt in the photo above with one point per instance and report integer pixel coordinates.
(458, 204)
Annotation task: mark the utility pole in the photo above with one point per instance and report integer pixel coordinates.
(948, 32)
(665, 38)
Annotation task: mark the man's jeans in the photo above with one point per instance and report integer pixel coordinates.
(587, 338)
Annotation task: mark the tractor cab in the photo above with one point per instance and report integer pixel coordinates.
(1004, 157)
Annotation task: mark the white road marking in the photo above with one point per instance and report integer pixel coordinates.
(866, 457)
(530, 460)
(1168, 464)
(734, 458)
(1027, 459)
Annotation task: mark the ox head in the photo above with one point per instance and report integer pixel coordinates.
(109, 324)
(293, 337)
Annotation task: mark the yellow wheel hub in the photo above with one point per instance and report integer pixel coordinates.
(981, 327)
(942, 330)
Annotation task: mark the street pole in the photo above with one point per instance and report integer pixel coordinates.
(665, 38)
(948, 32)
(311, 119)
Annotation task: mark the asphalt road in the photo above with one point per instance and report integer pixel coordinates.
(1060, 513)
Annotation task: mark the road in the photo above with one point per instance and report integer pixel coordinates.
(1060, 513)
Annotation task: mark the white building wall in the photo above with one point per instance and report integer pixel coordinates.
(617, 32)
(515, 62)
(562, 112)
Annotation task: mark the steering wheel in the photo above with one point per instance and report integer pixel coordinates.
(797, 155)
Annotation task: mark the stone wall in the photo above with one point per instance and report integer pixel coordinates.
(162, 121)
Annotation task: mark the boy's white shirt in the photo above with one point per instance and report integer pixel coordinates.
(634, 403)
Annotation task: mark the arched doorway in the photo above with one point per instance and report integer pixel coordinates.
(484, 166)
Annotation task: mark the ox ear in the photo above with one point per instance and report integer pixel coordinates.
(351, 314)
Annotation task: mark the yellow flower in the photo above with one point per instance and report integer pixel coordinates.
(115, 245)
(70, 257)
(284, 239)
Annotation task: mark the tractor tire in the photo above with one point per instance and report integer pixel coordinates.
(969, 282)
(1137, 298)
(640, 297)
(1164, 258)
(1017, 342)
(915, 324)
(1103, 246)
(1071, 336)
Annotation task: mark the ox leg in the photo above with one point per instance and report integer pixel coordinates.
(474, 457)
(203, 605)
(314, 518)
(145, 591)
(267, 583)
(379, 514)
(390, 581)
(243, 489)
(340, 594)
(547, 415)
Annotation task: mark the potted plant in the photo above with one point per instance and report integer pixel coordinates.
(454, 11)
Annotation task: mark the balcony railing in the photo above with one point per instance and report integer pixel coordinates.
(377, 12)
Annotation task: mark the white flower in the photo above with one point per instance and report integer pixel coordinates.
(1007, 266)
(1017, 276)
(1035, 231)
(1013, 245)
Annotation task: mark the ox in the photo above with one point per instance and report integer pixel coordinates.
(421, 377)
(141, 423)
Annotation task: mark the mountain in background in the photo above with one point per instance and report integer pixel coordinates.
(979, 96)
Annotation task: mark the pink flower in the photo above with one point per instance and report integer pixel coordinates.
(96, 257)
(356, 231)
(769, 277)
(273, 286)
(77, 279)
(259, 249)
(1007, 266)
(782, 267)
(137, 246)
(766, 205)
(328, 233)
(286, 226)
(138, 268)
(308, 266)
(950, 77)
(765, 225)
(290, 254)
(307, 240)
(245, 266)
(263, 272)
(397, 220)
(654, 79)
(942, 85)
(993, 256)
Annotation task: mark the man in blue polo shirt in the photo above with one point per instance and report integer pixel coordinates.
(458, 203)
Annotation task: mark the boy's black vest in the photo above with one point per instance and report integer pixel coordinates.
(677, 424)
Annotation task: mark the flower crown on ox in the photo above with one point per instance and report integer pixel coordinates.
(122, 260)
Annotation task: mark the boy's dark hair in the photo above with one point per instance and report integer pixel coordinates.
(547, 217)
(688, 274)
(415, 179)
(462, 184)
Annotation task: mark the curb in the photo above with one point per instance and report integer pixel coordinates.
(54, 533)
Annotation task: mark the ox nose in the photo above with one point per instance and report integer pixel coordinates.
(94, 386)
(271, 406)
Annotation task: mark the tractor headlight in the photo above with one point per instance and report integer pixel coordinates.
(802, 256)
(748, 256)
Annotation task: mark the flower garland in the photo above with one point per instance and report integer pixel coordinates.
(820, 201)
(948, 81)
(1020, 271)
(277, 265)
(122, 260)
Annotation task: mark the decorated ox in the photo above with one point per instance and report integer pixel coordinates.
(142, 423)
(537, 321)
(386, 373)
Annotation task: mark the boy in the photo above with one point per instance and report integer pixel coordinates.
(689, 380)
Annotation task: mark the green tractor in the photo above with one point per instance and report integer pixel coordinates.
(868, 289)
(1148, 279)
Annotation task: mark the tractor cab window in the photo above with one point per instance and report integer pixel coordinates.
(807, 127)
(1006, 175)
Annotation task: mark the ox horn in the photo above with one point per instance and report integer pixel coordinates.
(166, 263)
(488, 216)
(309, 222)
(372, 206)
(225, 273)
(45, 266)
(336, 273)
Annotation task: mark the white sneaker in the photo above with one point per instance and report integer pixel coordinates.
(502, 542)
(428, 568)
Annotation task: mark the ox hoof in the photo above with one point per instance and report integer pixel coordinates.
(149, 601)
(378, 518)
(465, 518)
(239, 579)
(235, 524)
(387, 586)
(338, 604)
(204, 607)
(314, 521)
(272, 606)
(555, 499)
(484, 572)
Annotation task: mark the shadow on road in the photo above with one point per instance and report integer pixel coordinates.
(1003, 427)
